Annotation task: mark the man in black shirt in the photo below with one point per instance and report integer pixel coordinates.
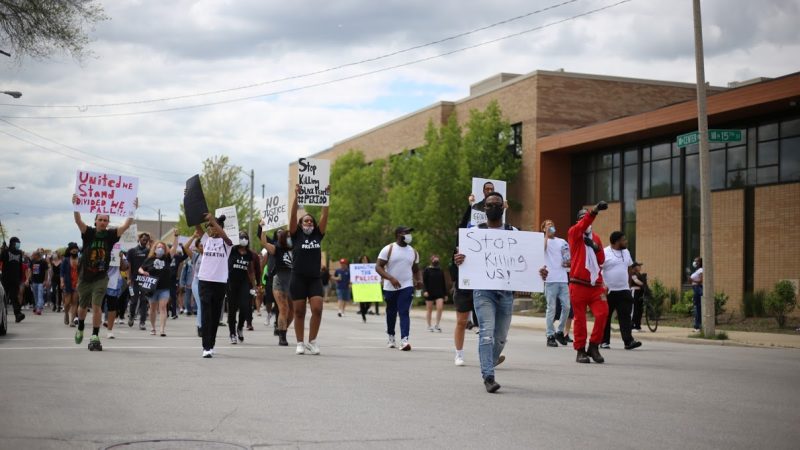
(39, 279)
(136, 257)
(11, 259)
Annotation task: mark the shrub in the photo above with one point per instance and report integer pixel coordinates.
(658, 293)
(674, 296)
(684, 306)
(539, 302)
(781, 301)
(720, 300)
(753, 303)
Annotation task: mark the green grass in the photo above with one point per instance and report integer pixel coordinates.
(720, 336)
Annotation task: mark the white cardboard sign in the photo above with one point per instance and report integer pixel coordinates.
(231, 222)
(105, 193)
(126, 241)
(477, 216)
(274, 211)
(314, 177)
(502, 260)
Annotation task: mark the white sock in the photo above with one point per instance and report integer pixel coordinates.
(460, 353)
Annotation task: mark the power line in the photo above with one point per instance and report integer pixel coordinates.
(90, 154)
(324, 83)
(307, 74)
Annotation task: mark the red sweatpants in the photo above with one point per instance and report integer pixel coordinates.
(582, 296)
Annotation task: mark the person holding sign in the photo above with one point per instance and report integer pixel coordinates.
(493, 307)
(98, 243)
(241, 287)
(586, 283)
(398, 265)
(213, 279)
(157, 266)
(280, 248)
(306, 284)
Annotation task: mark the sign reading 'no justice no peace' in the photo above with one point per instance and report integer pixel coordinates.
(501, 260)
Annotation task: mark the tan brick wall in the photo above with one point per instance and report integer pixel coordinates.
(606, 222)
(658, 238)
(777, 247)
(727, 228)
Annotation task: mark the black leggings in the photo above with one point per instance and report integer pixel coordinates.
(239, 300)
(212, 296)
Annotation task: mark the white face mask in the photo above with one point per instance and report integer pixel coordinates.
(243, 242)
(289, 241)
(159, 252)
(308, 230)
(407, 238)
(694, 264)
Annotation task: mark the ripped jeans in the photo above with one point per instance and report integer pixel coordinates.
(493, 309)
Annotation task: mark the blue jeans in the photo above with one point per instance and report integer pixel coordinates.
(196, 293)
(187, 299)
(398, 302)
(493, 309)
(38, 295)
(698, 310)
(555, 292)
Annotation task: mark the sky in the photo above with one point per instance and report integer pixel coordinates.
(292, 78)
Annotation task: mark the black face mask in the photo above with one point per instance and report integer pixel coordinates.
(494, 212)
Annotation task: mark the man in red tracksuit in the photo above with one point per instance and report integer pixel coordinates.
(586, 283)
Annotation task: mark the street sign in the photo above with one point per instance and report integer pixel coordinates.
(687, 139)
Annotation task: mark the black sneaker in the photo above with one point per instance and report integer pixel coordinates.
(594, 353)
(568, 339)
(233, 339)
(491, 385)
(551, 341)
(240, 335)
(632, 345)
(130, 322)
(19, 318)
(582, 357)
(560, 338)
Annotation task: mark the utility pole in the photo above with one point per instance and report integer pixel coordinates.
(160, 233)
(262, 191)
(705, 179)
(252, 202)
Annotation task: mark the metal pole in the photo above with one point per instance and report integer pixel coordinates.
(3, 230)
(705, 180)
(252, 200)
(262, 191)
(160, 233)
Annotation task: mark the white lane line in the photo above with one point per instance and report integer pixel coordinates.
(243, 347)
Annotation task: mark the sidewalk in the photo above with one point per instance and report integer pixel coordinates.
(669, 334)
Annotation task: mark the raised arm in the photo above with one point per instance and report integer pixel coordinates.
(323, 220)
(77, 215)
(190, 245)
(293, 214)
(212, 221)
(129, 221)
(262, 236)
(175, 243)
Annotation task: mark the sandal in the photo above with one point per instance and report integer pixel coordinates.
(153, 332)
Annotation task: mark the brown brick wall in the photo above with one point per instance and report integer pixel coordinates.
(727, 228)
(658, 238)
(606, 222)
(777, 247)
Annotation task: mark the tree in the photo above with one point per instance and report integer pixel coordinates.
(222, 186)
(40, 28)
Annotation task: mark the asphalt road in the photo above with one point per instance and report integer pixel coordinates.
(360, 395)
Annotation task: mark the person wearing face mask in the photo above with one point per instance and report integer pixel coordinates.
(617, 270)
(398, 265)
(175, 293)
(241, 288)
(69, 284)
(306, 283)
(11, 259)
(213, 279)
(556, 285)
(697, 287)
(114, 293)
(281, 253)
(138, 301)
(586, 283)
(98, 243)
(38, 278)
(434, 292)
(157, 266)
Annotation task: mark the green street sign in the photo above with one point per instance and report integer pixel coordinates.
(687, 139)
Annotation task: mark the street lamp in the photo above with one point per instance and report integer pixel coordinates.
(15, 94)
(3, 230)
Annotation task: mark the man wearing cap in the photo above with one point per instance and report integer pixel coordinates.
(342, 278)
(136, 256)
(398, 264)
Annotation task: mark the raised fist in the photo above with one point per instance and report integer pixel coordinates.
(602, 206)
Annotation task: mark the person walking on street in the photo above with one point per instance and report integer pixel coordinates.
(55, 280)
(280, 250)
(157, 266)
(98, 243)
(194, 250)
(69, 284)
(586, 283)
(556, 286)
(638, 287)
(697, 287)
(435, 290)
(38, 277)
(11, 259)
(114, 292)
(616, 273)
(138, 301)
(241, 287)
(342, 278)
(398, 265)
(213, 278)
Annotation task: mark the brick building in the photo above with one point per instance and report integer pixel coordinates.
(584, 138)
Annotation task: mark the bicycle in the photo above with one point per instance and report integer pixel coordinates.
(652, 313)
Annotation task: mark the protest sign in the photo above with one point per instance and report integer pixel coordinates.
(314, 178)
(503, 260)
(147, 284)
(194, 202)
(231, 222)
(104, 193)
(477, 215)
(274, 211)
(126, 242)
(366, 283)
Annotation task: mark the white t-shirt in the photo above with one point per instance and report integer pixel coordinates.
(615, 269)
(556, 272)
(215, 260)
(399, 266)
(697, 275)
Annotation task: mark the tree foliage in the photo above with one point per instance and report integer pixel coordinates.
(41, 28)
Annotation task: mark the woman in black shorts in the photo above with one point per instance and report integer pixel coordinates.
(306, 283)
(281, 250)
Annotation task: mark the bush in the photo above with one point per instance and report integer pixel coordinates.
(658, 293)
(684, 306)
(720, 300)
(781, 301)
(753, 303)
(539, 302)
(674, 296)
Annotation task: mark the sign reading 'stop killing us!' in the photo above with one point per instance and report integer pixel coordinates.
(314, 179)
(502, 260)
(105, 193)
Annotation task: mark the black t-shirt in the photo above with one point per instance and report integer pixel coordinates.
(433, 279)
(56, 276)
(38, 271)
(12, 267)
(307, 253)
(96, 255)
(283, 259)
(158, 268)
(136, 257)
(239, 267)
(174, 265)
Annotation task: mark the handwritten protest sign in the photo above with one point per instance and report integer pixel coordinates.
(104, 193)
(366, 283)
(274, 211)
(501, 260)
(477, 215)
(314, 177)
(194, 202)
(232, 222)
(126, 242)
(147, 284)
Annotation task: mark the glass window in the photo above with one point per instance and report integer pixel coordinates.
(766, 175)
(767, 132)
(616, 159)
(661, 151)
(737, 179)
(590, 194)
(767, 153)
(694, 148)
(676, 151)
(676, 175)
(645, 153)
(737, 159)
(645, 180)
(604, 161)
(631, 157)
(615, 183)
(717, 169)
(604, 182)
(629, 188)
(660, 178)
(716, 145)
(790, 127)
(790, 159)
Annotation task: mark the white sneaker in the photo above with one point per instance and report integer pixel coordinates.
(459, 360)
(430, 329)
(301, 348)
(390, 342)
(213, 352)
(207, 354)
(437, 329)
(110, 335)
(605, 345)
(312, 348)
(404, 345)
